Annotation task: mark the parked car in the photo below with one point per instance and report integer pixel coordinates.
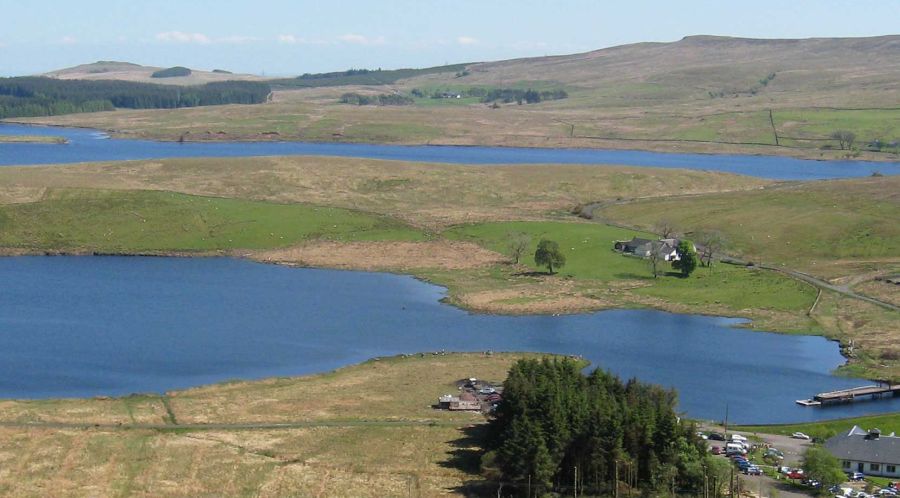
(776, 453)
(753, 470)
(715, 436)
(889, 491)
(795, 474)
(716, 450)
(856, 476)
(799, 435)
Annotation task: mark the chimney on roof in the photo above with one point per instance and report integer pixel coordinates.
(873, 434)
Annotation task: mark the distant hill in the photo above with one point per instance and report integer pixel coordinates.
(705, 67)
(127, 71)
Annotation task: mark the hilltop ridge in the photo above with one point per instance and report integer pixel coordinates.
(130, 71)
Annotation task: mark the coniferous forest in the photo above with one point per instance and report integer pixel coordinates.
(39, 96)
(554, 419)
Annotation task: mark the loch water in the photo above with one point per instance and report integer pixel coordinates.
(83, 326)
(86, 145)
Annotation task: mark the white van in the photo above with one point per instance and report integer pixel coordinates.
(733, 448)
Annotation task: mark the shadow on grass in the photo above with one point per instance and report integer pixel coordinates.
(466, 455)
(533, 274)
(634, 276)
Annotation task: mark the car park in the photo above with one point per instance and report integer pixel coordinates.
(753, 470)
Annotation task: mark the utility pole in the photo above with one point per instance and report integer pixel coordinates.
(576, 480)
(616, 482)
(726, 420)
(731, 484)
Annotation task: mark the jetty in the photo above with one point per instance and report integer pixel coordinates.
(852, 394)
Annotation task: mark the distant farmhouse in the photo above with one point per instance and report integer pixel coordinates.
(643, 247)
(867, 451)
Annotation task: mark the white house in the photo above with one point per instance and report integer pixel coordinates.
(867, 451)
(643, 247)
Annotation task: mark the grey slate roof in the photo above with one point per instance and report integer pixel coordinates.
(635, 243)
(855, 445)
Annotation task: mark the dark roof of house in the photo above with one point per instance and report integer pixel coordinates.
(634, 243)
(857, 445)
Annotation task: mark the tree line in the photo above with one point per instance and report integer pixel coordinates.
(40, 96)
(383, 99)
(360, 76)
(504, 95)
(557, 428)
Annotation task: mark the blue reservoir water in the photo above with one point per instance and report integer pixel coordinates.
(84, 326)
(91, 145)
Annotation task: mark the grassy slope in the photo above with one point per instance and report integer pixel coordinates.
(416, 192)
(387, 440)
(589, 255)
(827, 228)
(125, 71)
(887, 423)
(145, 221)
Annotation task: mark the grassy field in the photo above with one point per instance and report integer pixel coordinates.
(887, 423)
(365, 430)
(591, 261)
(32, 139)
(828, 228)
(147, 221)
(414, 192)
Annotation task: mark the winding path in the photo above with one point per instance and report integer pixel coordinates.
(822, 284)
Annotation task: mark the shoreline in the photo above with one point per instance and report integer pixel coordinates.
(747, 322)
(281, 424)
(578, 143)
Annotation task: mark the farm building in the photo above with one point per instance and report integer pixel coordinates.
(867, 451)
(643, 247)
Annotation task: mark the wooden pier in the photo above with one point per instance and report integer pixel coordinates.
(849, 395)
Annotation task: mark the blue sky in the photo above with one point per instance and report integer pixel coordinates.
(280, 37)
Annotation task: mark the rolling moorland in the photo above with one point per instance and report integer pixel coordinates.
(375, 433)
(701, 94)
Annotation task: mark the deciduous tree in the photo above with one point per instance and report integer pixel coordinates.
(518, 244)
(687, 258)
(845, 138)
(665, 228)
(549, 255)
(711, 242)
(821, 465)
